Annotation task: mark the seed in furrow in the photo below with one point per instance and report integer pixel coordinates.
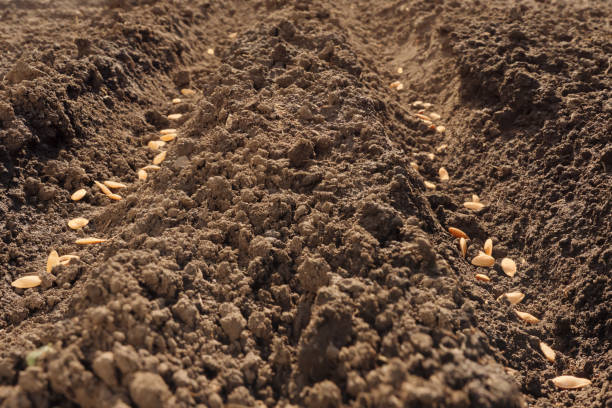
(434, 116)
(548, 352)
(114, 184)
(417, 104)
(168, 138)
(483, 278)
(513, 297)
(27, 282)
(142, 174)
(151, 167)
(79, 194)
(441, 148)
(52, 260)
(488, 246)
(155, 144)
(66, 259)
(440, 129)
(569, 382)
(429, 185)
(414, 166)
(475, 198)
(159, 158)
(167, 131)
(527, 317)
(395, 84)
(463, 246)
(103, 188)
(210, 51)
(115, 197)
(424, 117)
(188, 92)
(431, 156)
(443, 174)
(456, 232)
(177, 100)
(475, 206)
(508, 266)
(90, 241)
(175, 116)
(78, 223)
(483, 260)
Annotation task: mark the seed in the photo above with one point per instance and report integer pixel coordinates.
(52, 261)
(115, 197)
(527, 317)
(569, 382)
(427, 105)
(434, 116)
(175, 116)
(483, 278)
(142, 175)
(103, 188)
(210, 51)
(417, 104)
(429, 185)
(440, 129)
(177, 100)
(188, 92)
(471, 205)
(483, 260)
(159, 158)
(457, 233)
(424, 117)
(79, 194)
(513, 297)
(233, 35)
(414, 166)
(168, 138)
(443, 174)
(508, 266)
(114, 184)
(26, 282)
(89, 241)
(65, 259)
(167, 131)
(488, 246)
(151, 167)
(548, 352)
(78, 223)
(430, 156)
(475, 198)
(155, 144)
(463, 246)
(400, 87)
(395, 84)
(441, 148)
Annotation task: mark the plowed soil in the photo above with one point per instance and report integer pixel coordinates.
(288, 252)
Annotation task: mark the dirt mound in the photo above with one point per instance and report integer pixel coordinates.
(288, 251)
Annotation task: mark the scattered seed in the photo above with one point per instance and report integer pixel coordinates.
(210, 51)
(155, 144)
(414, 165)
(463, 246)
(548, 352)
(167, 131)
(79, 194)
(441, 148)
(89, 241)
(400, 70)
(457, 233)
(513, 297)
(475, 198)
(424, 117)
(488, 247)
(142, 174)
(440, 129)
(400, 87)
(159, 158)
(483, 260)
(431, 156)
(78, 223)
(483, 278)
(151, 167)
(66, 259)
(27, 282)
(168, 138)
(115, 197)
(443, 174)
(395, 84)
(569, 382)
(429, 185)
(429, 123)
(177, 100)
(52, 260)
(188, 92)
(434, 116)
(508, 266)
(175, 116)
(103, 188)
(471, 205)
(114, 184)
(417, 104)
(233, 35)
(527, 317)
(427, 105)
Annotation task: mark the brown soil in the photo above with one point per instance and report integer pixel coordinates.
(287, 253)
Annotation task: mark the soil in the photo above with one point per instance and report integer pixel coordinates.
(288, 252)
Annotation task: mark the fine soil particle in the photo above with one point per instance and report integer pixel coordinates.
(287, 252)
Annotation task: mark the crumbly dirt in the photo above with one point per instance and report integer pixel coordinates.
(287, 253)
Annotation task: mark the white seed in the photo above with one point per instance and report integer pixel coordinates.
(103, 188)
(232, 35)
(26, 282)
(168, 138)
(463, 246)
(440, 129)
(457, 233)
(155, 144)
(430, 156)
(188, 92)
(443, 174)
(483, 260)
(142, 174)
(488, 246)
(441, 148)
(66, 259)
(414, 165)
(429, 185)
(417, 104)
(548, 352)
(471, 205)
(569, 382)
(427, 105)
(114, 184)
(167, 131)
(79, 194)
(475, 198)
(177, 100)
(175, 116)
(159, 158)
(89, 241)
(78, 223)
(483, 278)
(210, 51)
(527, 317)
(400, 87)
(508, 266)
(52, 260)
(434, 116)
(400, 70)
(151, 167)
(513, 297)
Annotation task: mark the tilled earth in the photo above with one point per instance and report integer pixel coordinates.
(288, 251)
